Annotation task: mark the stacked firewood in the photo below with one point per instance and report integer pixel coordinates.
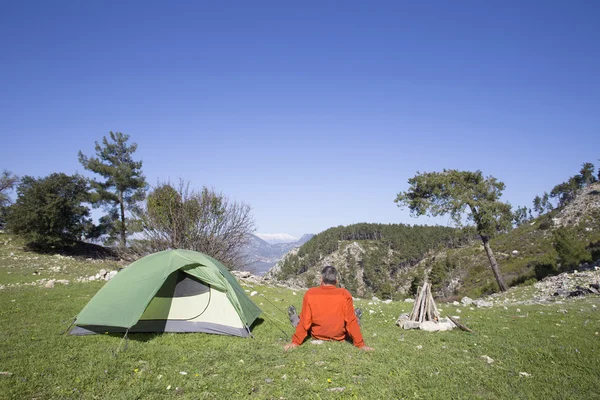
(424, 308)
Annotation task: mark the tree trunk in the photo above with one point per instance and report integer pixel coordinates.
(493, 263)
(123, 236)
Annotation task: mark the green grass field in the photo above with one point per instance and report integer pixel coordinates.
(557, 351)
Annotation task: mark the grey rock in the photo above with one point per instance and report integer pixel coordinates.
(110, 275)
(483, 303)
(411, 325)
(401, 319)
(467, 301)
(429, 326)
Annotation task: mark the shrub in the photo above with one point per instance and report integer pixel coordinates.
(545, 223)
(570, 250)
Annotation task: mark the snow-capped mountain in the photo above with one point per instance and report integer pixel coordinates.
(274, 238)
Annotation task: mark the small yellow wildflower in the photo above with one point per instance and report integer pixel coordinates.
(136, 370)
(328, 380)
(196, 374)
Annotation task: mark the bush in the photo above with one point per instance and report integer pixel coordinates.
(570, 250)
(49, 212)
(545, 223)
(523, 280)
(545, 269)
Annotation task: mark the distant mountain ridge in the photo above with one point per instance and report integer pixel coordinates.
(274, 238)
(263, 255)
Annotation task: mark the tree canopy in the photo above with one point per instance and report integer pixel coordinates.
(7, 182)
(123, 186)
(462, 195)
(49, 211)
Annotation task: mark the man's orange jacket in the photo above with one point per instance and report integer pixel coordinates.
(328, 313)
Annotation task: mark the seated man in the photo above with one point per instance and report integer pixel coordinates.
(328, 313)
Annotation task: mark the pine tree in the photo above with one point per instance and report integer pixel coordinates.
(571, 251)
(461, 194)
(587, 173)
(123, 186)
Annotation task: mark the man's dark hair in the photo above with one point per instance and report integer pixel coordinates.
(329, 275)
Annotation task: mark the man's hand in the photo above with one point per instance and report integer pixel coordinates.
(366, 348)
(290, 346)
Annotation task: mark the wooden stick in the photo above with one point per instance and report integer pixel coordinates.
(428, 316)
(426, 306)
(414, 316)
(436, 312)
(461, 326)
(423, 303)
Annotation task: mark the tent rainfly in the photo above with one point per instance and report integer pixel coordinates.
(170, 291)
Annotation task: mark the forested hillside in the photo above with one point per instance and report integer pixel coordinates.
(371, 258)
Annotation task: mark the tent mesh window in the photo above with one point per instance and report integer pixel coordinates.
(180, 284)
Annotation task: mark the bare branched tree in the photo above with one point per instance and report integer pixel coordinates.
(206, 221)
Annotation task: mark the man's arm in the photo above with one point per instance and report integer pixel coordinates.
(352, 326)
(303, 326)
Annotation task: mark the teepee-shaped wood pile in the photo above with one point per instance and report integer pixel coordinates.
(424, 308)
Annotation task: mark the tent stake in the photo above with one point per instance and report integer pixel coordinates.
(70, 325)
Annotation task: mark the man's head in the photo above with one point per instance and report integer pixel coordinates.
(329, 275)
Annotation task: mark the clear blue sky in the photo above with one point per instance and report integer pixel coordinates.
(314, 113)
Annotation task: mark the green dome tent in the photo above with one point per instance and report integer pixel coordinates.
(170, 291)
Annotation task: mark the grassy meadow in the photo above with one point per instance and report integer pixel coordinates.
(538, 351)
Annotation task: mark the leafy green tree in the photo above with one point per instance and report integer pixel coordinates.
(542, 204)
(7, 182)
(565, 192)
(587, 173)
(123, 186)
(521, 216)
(570, 251)
(49, 211)
(461, 194)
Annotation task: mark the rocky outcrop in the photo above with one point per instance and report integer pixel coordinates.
(552, 289)
(584, 209)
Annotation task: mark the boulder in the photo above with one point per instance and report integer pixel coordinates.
(411, 325)
(445, 326)
(49, 285)
(110, 275)
(467, 301)
(401, 319)
(483, 303)
(429, 326)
